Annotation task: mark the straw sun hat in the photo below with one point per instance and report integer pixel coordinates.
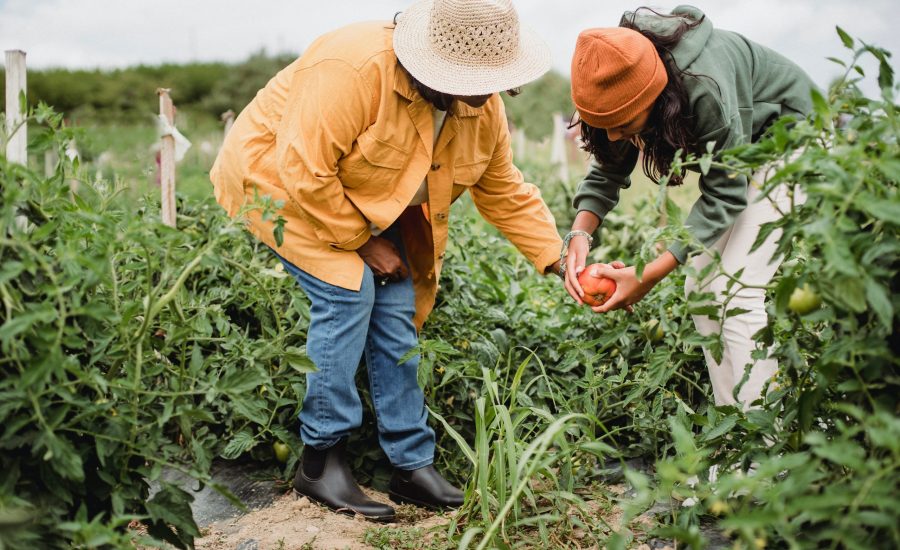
(469, 47)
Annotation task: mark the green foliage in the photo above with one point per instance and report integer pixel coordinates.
(533, 109)
(538, 398)
(209, 89)
(129, 347)
(396, 538)
(817, 464)
(241, 82)
(128, 95)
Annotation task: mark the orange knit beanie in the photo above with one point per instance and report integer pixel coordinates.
(616, 74)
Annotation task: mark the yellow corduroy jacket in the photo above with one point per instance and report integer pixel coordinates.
(343, 139)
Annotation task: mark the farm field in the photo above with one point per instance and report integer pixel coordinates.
(132, 351)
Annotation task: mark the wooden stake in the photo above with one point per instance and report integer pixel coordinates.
(16, 147)
(519, 141)
(167, 159)
(558, 154)
(228, 119)
(51, 159)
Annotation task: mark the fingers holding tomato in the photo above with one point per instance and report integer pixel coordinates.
(597, 288)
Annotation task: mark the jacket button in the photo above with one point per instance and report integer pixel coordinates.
(441, 256)
(441, 216)
(435, 166)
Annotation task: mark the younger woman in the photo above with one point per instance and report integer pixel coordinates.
(662, 83)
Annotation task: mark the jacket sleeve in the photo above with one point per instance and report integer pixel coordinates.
(515, 207)
(328, 106)
(598, 192)
(723, 195)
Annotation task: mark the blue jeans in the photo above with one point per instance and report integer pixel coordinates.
(376, 321)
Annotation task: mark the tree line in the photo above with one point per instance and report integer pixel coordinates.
(128, 95)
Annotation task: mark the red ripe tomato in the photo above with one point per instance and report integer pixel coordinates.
(597, 289)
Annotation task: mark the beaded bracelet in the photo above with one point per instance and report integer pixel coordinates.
(565, 249)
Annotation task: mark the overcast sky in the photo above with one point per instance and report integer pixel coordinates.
(117, 33)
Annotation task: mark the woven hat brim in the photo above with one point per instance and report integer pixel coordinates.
(412, 45)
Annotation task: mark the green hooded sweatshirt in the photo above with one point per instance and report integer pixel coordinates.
(735, 89)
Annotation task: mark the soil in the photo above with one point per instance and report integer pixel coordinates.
(292, 522)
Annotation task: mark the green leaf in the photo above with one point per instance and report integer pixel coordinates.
(721, 428)
(673, 212)
(299, 360)
(239, 444)
(598, 448)
(252, 408)
(887, 211)
(842, 452)
(10, 269)
(171, 507)
(705, 163)
(735, 311)
(278, 231)
(890, 167)
(845, 38)
(196, 363)
(820, 104)
(852, 293)
(17, 324)
(837, 253)
(684, 439)
(63, 457)
(709, 310)
(880, 300)
(242, 380)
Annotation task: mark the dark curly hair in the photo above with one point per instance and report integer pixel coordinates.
(670, 124)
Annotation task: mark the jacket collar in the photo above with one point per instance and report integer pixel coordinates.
(403, 87)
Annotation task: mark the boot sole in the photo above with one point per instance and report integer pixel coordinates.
(400, 499)
(347, 511)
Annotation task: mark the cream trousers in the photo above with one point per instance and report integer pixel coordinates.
(758, 267)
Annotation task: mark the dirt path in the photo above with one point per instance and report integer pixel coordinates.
(292, 522)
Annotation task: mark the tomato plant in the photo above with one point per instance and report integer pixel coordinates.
(129, 348)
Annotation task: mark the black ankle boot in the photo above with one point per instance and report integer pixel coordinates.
(424, 487)
(324, 477)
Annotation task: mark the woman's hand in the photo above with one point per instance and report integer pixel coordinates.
(576, 254)
(383, 259)
(575, 260)
(629, 289)
(615, 265)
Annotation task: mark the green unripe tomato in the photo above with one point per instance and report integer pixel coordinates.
(282, 451)
(803, 300)
(654, 330)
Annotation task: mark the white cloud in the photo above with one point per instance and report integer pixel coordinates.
(115, 33)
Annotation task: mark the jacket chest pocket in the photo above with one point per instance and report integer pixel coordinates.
(467, 174)
(372, 161)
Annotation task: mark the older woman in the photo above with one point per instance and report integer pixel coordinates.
(368, 138)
